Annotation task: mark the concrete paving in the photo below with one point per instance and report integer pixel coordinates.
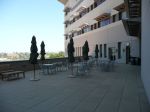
(118, 91)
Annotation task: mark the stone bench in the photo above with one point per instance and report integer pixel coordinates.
(12, 75)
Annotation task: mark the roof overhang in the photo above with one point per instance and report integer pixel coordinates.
(63, 1)
(122, 7)
(102, 17)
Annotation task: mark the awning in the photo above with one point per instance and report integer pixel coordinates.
(67, 9)
(82, 8)
(102, 17)
(83, 25)
(121, 7)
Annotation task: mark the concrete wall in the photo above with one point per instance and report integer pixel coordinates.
(110, 35)
(146, 45)
(24, 65)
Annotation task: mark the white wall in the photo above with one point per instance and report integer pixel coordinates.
(110, 35)
(146, 45)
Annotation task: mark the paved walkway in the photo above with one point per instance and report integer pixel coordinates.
(118, 91)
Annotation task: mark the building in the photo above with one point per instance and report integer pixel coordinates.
(122, 29)
(112, 24)
(145, 68)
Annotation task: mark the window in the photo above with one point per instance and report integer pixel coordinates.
(117, 17)
(72, 34)
(114, 18)
(73, 19)
(80, 51)
(124, 15)
(105, 50)
(80, 15)
(75, 34)
(88, 9)
(86, 29)
(66, 37)
(66, 13)
(99, 24)
(83, 13)
(66, 25)
(119, 50)
(82, 31)
(105, 22)
(120, 15)
(91, 27)
(95, 26)
(95, 4)
(101, 50)
(92, 7)
(100, 2)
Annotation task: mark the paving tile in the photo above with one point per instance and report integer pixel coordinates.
(118, 91)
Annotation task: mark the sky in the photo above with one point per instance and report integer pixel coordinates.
(21, 19)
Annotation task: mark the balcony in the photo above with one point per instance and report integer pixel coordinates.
(83, 10)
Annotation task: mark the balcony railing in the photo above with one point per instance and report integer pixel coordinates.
(100, 23)
(87, 10)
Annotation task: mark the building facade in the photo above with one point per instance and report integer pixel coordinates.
(145, 68)
(114, 25)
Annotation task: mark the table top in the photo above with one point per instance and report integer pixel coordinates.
(48, 64)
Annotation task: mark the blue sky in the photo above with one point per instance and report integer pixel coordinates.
(21, 19)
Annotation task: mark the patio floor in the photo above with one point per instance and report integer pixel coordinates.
(118, 91)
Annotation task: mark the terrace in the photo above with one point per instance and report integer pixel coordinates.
(120, 90)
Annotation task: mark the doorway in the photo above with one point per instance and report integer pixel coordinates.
(111, 53)
(127, 54)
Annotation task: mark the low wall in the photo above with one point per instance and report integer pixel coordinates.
(24, 65)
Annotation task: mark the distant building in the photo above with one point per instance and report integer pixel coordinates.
(112, 24)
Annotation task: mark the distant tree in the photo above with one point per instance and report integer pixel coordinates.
(96, 51)
(85, 50)
(61, 54)
(33, 54)
(42, 51)
(55, 55)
